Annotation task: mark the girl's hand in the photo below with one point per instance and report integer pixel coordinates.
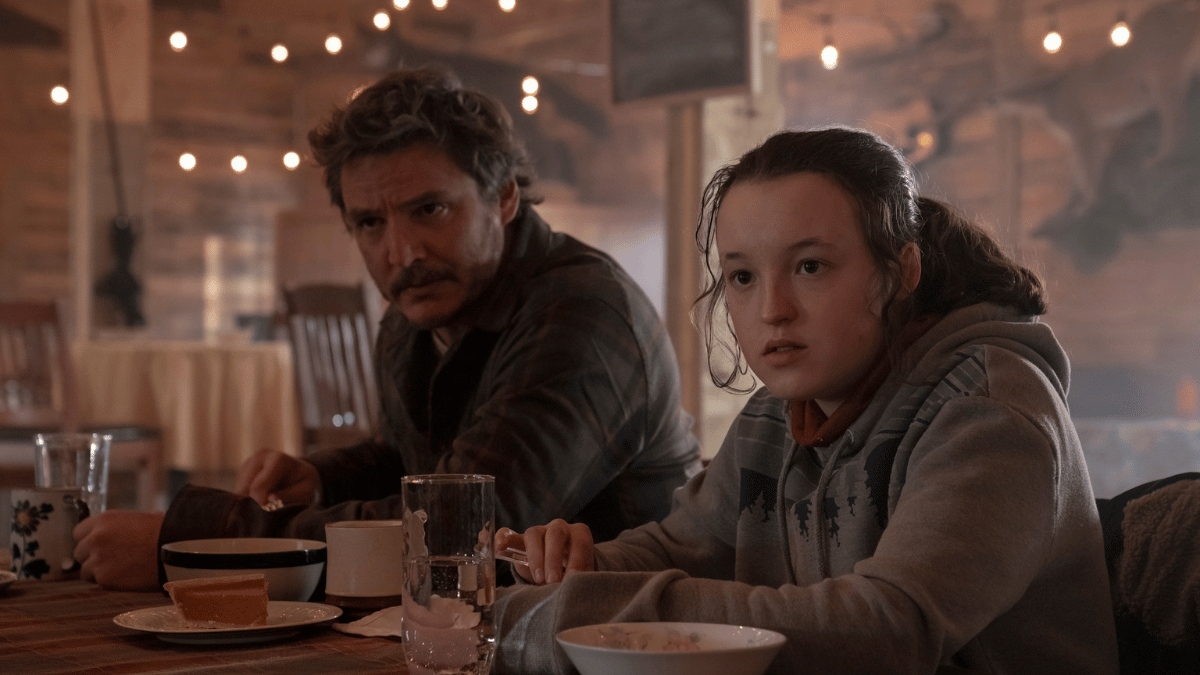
(552, 550)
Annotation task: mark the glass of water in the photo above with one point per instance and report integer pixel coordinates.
(67, 460)
(450, 573)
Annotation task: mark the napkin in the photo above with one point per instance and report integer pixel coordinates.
(385, 622)
(442, 613)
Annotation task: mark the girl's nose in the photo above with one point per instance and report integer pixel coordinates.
(778, 305)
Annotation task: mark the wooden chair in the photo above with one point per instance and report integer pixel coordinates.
(331, 345)
(38, 394)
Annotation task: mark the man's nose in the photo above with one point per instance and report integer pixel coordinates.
(402, 247)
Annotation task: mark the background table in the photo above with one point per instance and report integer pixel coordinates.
(216, 404)
(66, 627)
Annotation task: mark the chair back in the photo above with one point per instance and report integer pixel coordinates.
(1154, 570)
(335, 374)
(37, 376)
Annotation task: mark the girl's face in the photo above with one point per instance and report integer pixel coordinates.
(802, 289)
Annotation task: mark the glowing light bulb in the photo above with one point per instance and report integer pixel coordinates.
(529, 104)
(829, 57)
(508, 5)
(291, 160)
(925, 139)
(529, 85)
(333, 43)
(439, 4)
(1052, 42)
(400, 4)
(382, 20)
(1120, 34)
(178, 40)
(279, 53)
(187, 161)
(59, 95)
(239, 163)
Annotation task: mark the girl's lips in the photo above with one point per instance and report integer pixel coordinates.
(782, 353)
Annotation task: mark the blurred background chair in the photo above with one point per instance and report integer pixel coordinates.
(331, 344)
(38, 394)
(1152, 547)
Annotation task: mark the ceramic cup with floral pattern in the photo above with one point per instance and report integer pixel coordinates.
(42, 543)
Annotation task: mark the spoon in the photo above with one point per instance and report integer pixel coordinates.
(514, 556)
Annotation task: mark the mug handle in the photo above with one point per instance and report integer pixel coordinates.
(82, 507)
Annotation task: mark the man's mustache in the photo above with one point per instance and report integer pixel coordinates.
(416, 276)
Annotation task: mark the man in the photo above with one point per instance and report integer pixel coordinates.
(507, 349)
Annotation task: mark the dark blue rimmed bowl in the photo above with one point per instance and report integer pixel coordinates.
(292, 566)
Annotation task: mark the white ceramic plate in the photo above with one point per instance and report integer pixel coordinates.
(6, 578)
(284, 619)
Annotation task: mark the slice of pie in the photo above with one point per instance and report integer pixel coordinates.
(240, 599)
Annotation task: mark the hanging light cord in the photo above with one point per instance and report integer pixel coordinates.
(109, 123)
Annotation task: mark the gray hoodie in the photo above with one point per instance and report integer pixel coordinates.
(952, 523)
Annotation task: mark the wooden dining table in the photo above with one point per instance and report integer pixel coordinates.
(66, 628)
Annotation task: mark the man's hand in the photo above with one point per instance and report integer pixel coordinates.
(270, 473)
(119, 550)
(552, 550)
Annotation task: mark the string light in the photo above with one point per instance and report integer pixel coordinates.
(239, 163)
(291, 160)
(333, 43)
(829, 53)
(178, 40)
(187, 161)
(1120, 33)
(529, 85)
(529, 104)
(382, 20)
(279, 53)
(59, 95)
(1053, 41)
(508, 5)
(439, 4)
(400, 4)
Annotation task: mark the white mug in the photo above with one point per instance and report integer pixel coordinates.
(364, 569)
(42, 544)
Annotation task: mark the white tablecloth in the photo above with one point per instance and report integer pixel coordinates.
(216, 404)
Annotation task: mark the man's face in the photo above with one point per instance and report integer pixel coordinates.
(431, 240)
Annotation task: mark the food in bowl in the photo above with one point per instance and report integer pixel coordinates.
(292, 567)
(239, 600)
(670, 648)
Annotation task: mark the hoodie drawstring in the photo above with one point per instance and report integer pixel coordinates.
(780, 508)
(818, 508)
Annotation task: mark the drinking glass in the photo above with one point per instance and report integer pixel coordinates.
(450, 573)
(66, 460)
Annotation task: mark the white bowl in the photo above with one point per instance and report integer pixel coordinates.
(646, 649)
(292, 566)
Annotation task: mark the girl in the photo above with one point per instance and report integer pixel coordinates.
(906, 493)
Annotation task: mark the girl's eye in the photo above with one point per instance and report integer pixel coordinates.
(740, 277)
(809, 266)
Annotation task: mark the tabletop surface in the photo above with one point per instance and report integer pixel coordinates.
(55, 628)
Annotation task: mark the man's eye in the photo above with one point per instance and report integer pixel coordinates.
(367, 223)
(431, 208)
